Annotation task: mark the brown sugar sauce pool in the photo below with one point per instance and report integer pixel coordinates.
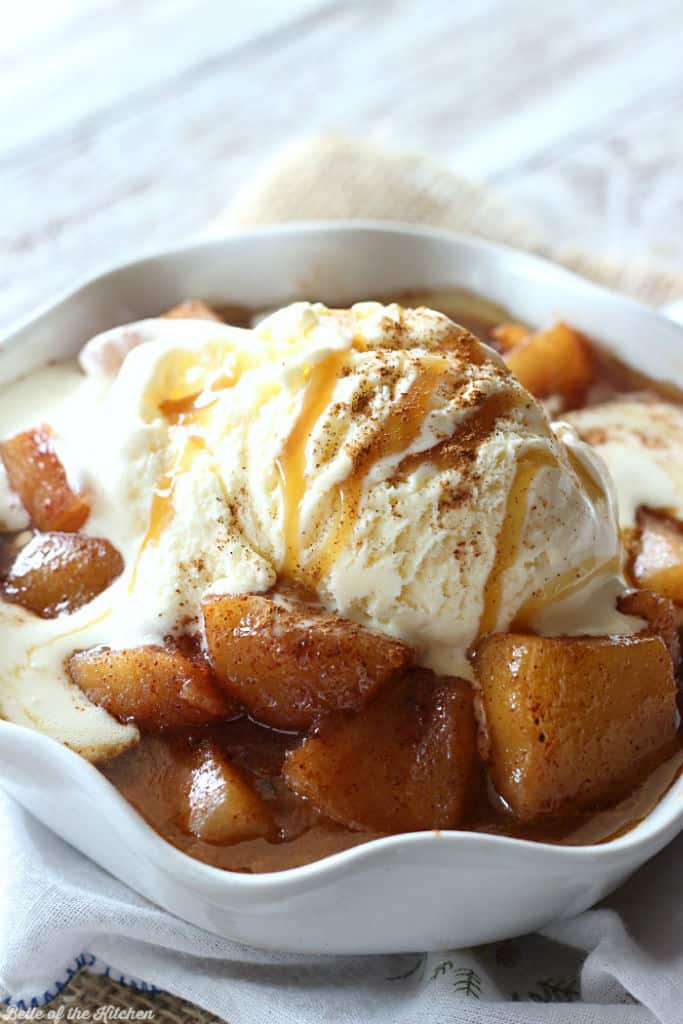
(149, 775)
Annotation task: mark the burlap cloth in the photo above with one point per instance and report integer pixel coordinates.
(336, 179)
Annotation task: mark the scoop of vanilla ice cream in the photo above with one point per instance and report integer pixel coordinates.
(640, 440)
(382, 457)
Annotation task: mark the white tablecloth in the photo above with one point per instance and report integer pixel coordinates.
(59, 912)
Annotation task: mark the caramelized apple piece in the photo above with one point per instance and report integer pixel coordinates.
(558, 361)
(289, 667)
(57, 573)
(37, 475)
(407, 762)
(571, 722)
(104, 355)
(178, 783)
(193, 309)
(152, 686)
(506, 336)
(660, 615)
(11, 545)
(221, 807)
(658, 562)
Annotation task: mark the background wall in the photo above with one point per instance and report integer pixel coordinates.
(126, 124)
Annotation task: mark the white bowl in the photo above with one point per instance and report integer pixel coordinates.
(406, 892)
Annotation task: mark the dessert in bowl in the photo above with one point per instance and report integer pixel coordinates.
(338, 576)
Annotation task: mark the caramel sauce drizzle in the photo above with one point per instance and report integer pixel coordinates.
(176, 409)
(568, 583)
(460, 449)
(190, 409)
(594, 489)
(391, 436)
(510, 535)
(291, 465)
(184, 410)
(509, 542)
(563, 587)
(161, 508)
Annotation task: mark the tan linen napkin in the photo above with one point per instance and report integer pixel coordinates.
(334, 178)
(337, 178)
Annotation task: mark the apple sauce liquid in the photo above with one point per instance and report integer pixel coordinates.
(151, 777)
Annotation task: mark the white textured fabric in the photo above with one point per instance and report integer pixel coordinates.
(59, 911)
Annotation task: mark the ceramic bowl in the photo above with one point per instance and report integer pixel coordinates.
(406, 892)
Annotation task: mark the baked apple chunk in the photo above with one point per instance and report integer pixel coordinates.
(155, 687)
(660, 615)
(220, 805)
(506, 336)
(186, 783)
(56, 573)
(193, 309)
(658, 562)
(289, 667)
(36, 473)
(408, 762)
(558, 361)
(570, 722)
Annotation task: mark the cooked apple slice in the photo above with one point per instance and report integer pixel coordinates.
(154, 687)
(658, 561)
(407, 762)
(558, 361)
(57, 573)
(36, 474)
(193, 309)
(290, 666)
(10, 546)
(507, 336)
(660, 615)
(221, 807)
(180, 783)
(571, 722)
